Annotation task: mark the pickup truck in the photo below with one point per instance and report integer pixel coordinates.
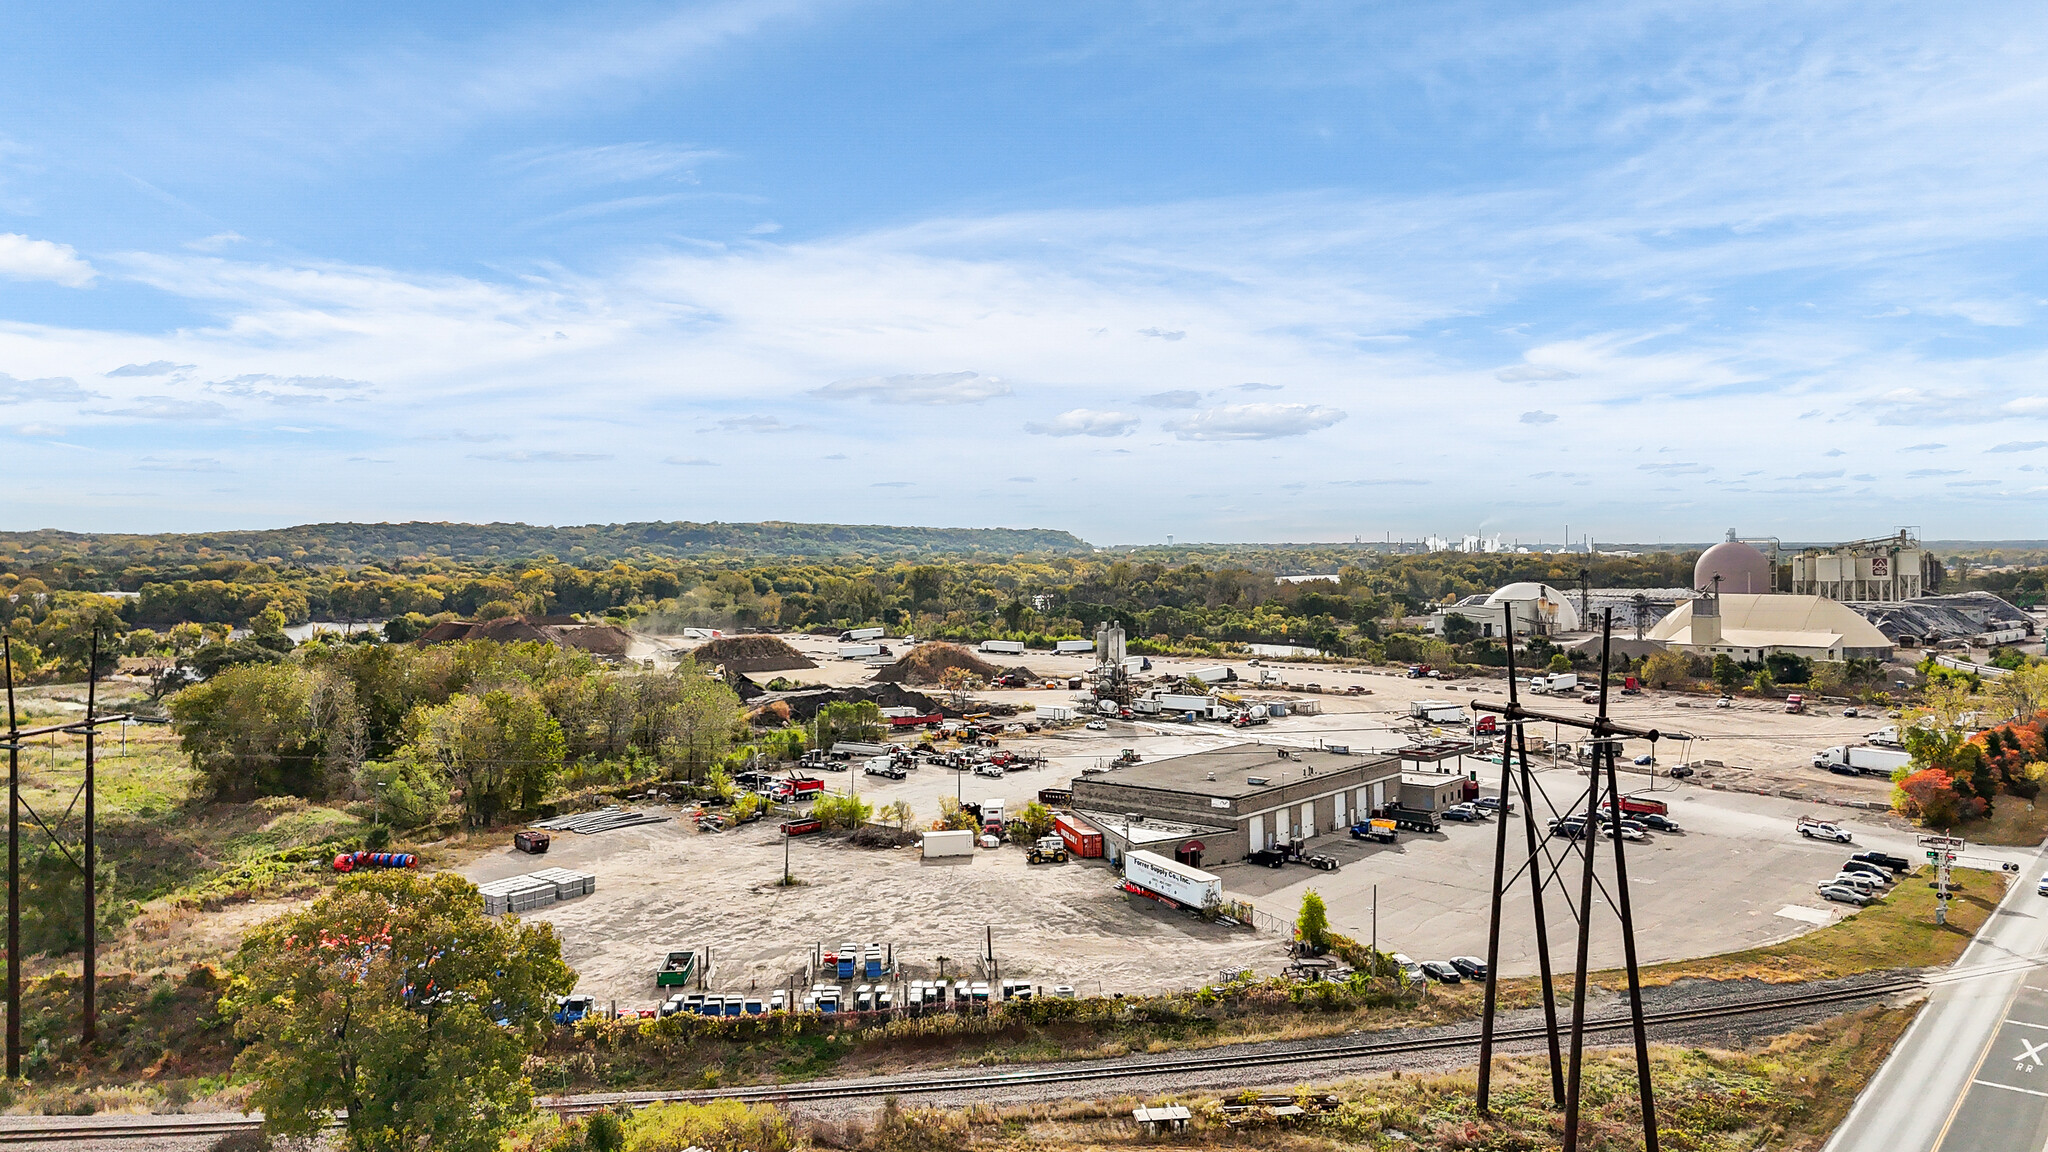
(1814, 829)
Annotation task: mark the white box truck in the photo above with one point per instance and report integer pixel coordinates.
(1554, 682)
(958, 842)
(1862, 760)
(856, 635)
(1437, 712)
(1073, 647)
(1003, 647)
(1185, 886)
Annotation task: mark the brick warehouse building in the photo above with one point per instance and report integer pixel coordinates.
(1234, 799)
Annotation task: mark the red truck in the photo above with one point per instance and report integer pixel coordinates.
(797, 788)
(931, 721)
(1640, 806)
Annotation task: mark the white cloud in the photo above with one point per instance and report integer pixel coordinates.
(926, 388)
(1928, 473)
(189, 464)
(38, 431)
(2020, 446)
(24, 259)
(166, 408)
(1539, 417)
(1929, 446)
(540, 457)
(1532, 373)
(153, 368)
(1255, 421)
(1161, 333)
(1683, 468)
(757, 424)
(1085, 422)
(53, 388)
(1181, 398)
(610, 163)
(688, 461)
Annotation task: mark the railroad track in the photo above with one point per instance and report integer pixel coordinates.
(1209, 1064)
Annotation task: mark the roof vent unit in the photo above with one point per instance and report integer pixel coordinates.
(1282, 753)
(1134, 817)
(1212, 775)
(1256, 781)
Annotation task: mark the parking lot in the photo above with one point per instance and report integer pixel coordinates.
(1737, 877)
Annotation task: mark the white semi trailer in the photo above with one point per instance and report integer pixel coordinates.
(1185, 886)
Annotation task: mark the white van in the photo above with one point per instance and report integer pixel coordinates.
(1410, 970)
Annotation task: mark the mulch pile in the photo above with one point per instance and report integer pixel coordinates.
(747, 654)
(926, 663)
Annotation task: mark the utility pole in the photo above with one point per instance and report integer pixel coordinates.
(92, 934)
(13, 868)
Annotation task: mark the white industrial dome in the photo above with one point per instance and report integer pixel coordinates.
(1741, 568)
(1542, 602)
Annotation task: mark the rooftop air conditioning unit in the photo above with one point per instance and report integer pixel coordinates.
(1255, 781)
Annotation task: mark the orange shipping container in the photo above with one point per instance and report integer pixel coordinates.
(1080, 839)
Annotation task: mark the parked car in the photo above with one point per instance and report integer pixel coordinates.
(1844, 894)
(1570, 829)
(1097, 726)
(1628, 833)
(1724, 702)
(1868, 885)
(1644, 760)
(1683, 771)
(1470, 967)
(1493, 804)
(1885, 860)
(1441, 972)
(1881, 875)
(1851, 713)
(1463, 813)
(1660, 823)
(1590, 698)
(2043, 889)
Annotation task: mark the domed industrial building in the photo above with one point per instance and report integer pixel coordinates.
(1538, 610)
(1742, 569)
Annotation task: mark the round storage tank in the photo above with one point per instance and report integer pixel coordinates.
(1740, 567)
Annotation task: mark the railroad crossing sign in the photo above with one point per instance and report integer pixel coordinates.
(1943, 842)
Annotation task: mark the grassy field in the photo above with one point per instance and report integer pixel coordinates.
(2013, 821)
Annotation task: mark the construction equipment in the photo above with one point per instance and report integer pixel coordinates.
(1126, 758)
(1047, 850)
(1375, 829)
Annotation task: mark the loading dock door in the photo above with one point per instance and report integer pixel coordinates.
(1308, 819)
(1258, 834)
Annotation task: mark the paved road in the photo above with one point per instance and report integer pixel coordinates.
(1968, 1076)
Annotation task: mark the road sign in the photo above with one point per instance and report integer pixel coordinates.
(1943, 842)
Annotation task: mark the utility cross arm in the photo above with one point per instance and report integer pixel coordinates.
(1597, 725)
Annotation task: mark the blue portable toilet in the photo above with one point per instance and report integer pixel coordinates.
(874, 962)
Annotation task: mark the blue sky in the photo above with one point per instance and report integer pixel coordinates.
(1276, 273)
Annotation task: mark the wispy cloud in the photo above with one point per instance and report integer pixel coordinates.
(757, 424)
(50, 388)
(688, 461)
(1181, 398)
(549, 457)
(1161, 333)
(2020, 446)
(166, 408)
(1084, 422)
(190, 464)
(1255, 421)
(153, 368)
(1539, 417)
(929, 388)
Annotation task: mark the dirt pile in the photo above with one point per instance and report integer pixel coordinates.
(926, 663)
(747, 654)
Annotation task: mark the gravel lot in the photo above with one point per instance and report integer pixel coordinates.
(1738, 877)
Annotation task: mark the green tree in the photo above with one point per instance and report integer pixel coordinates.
(856, 720)
(251, 731)
(1312, 924)
(407, 790)
(381, 1005)
(1036, 818)
(1459, 629)
(501, 748)
(1727, 673)
(1559, 662)
(1665, 670)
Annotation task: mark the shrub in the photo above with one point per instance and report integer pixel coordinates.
(716, 1126)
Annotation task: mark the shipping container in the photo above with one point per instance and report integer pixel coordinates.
(1082, 840)
(1055, 713)
(1073, 647)
(1156, 875)
(1003, 647)
(958, 842)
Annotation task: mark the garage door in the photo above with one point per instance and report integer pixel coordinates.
(1258, 833)
(1308, 819)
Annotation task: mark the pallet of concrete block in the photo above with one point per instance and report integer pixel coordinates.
(569, 884)
(516, 894)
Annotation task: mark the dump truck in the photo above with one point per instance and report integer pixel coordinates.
(677, 969)
(1413, 819)
(1380, 829)
(1048, 850)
